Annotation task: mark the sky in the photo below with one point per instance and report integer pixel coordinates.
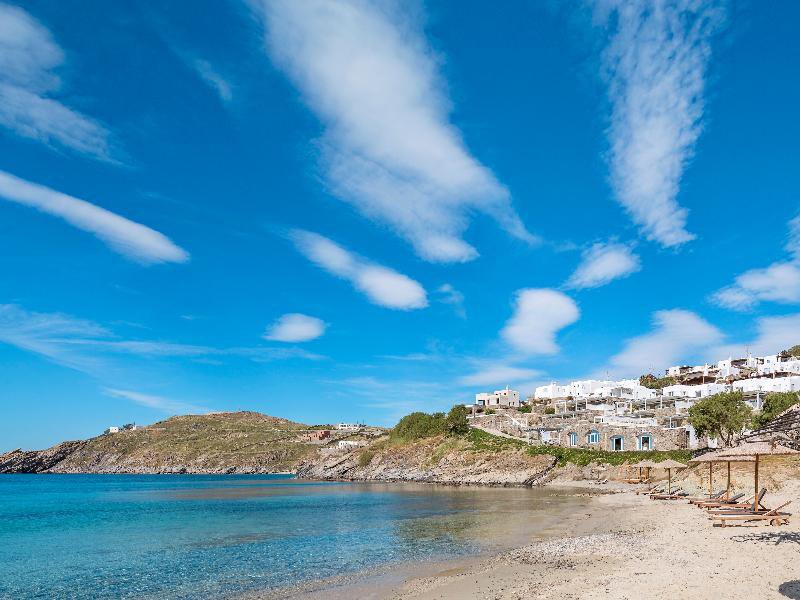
(336, 210)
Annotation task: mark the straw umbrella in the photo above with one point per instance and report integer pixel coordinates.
(645, 464)
(711, 458)
(670, 464)
(757, 449)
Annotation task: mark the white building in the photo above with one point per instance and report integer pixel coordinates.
(348, 427)
(349, 444)
(112, 429)
(504, 397)
(629, 389)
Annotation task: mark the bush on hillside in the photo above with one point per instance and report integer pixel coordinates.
(656, 383)
(525, 408)
(550, 410)
(456, 421)
(774, 404)
(419, 425)
(794, 351)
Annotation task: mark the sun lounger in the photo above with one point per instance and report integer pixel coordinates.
(748, 505)
(656, 489)
(674, 495)
(773, 517)
(710, 498)
(717, 503)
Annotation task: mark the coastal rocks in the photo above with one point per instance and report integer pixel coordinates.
(37, 461)
(431, 461)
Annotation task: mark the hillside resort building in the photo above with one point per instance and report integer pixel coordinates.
(626, 415)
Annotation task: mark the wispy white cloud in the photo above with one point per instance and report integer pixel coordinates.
(133, 240)
(773, 334)
(389, 148)
(656, 67)
(215, 81)
(382, 286)
(28, 58)
(602, 264)
(295, 327)
(538, 316)
(89, 347)
(40, 333)
(161, 403)
(677, 335)
(447, 294)
(779, 282)
(498, 375)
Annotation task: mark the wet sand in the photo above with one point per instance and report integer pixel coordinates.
(629, 546)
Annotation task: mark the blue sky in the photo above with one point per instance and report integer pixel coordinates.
(341, 210)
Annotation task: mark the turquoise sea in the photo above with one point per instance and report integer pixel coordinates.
(194, 536)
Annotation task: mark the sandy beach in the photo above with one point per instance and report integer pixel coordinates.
(628, 546)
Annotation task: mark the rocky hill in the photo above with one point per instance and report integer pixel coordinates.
(439, 459)
(241, 442)
(248, 442)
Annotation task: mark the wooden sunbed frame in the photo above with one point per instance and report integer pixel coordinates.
(710, 498)
(774, 516)
(678, 494)
(720, 503)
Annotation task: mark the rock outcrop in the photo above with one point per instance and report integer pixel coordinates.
(37, 461)
(434, 460)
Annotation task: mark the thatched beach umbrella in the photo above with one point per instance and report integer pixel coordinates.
(643, 464)
(669, 464)
(757, 449)
(711, 458)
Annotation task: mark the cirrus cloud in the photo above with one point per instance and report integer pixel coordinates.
(133, 240)
(28, 57)
(603, 263)
(381, 285)
(389, 148)
(295, 327)
(655, 67)
(538, 316)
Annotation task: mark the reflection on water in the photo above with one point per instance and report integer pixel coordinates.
(184, 536)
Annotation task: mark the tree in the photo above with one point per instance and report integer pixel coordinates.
(794, 351)
(456, 421)
(656, 383)
(722, 416)
(774, 404)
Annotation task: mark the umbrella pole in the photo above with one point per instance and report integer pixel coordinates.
(669, 484)
(710, 485)
(728, 487)
(755, 498)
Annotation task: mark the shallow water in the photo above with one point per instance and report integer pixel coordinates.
(195, 536)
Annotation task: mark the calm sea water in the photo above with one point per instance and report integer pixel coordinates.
(190, 536)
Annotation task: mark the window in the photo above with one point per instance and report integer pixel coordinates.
(593, 437)
(645, 441)
(617, 443)
(573, 439)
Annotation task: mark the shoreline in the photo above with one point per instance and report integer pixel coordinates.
(630, 546)
(616, 545)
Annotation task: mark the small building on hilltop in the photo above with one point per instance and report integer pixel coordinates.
(506, 397)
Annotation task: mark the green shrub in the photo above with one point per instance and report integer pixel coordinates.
(489, 411)
(656, 383)
(793, 351)
(550, 410)
(525, 408)
(419, 425)
(456, 421)
(365, 458)
(774, 404)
